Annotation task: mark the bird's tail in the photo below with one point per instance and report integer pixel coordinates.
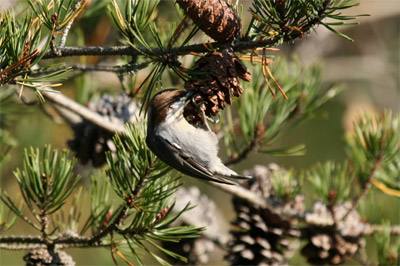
(227, 172)
(224, 179)
(241, 176)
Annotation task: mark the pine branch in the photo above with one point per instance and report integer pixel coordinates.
(128, 50)
(85, 113)
(394, 229)
(69, 241)
(256, 200)
(69, 24)
(110, 228)
(29, 242)
(118, 69)
(143, 178)
(24, 242)
(198, 48)
(240, 46)
(366, 186)
(21, 240)
(62, 242)
(253, 145)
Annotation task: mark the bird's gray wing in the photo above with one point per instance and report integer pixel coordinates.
(177, 158)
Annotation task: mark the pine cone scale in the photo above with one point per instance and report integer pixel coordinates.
(216, 18)
(261, 238)
(214, 80)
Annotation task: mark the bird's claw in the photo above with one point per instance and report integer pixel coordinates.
(198, 107)
(214, 120)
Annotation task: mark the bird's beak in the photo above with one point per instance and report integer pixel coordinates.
(189, 94)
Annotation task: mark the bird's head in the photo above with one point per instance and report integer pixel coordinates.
(164, 103)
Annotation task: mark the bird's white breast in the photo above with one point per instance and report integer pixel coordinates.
(202, 145)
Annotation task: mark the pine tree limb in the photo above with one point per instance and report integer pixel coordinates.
(252, 146)
(366, 186)
(239, 46)
(394, 229)
(27, 242)
(85, 113)
(127, 50)
(69, 25)
(118, 69)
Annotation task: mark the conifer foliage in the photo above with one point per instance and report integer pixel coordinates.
(131, 203)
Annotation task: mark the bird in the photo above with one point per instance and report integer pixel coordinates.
(191, 150)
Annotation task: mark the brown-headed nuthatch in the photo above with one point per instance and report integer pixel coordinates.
(192, 151)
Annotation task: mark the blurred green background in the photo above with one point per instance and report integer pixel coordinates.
(369, 67)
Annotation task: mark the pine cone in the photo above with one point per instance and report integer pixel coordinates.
(215, 17)
(42, 257)
(326, 245)
(91, 142)
(260, 239)
(214, 83)
(198, 250)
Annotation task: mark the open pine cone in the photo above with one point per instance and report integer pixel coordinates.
(214, 83)
(326, 245)
(261, 235)
(215, 17)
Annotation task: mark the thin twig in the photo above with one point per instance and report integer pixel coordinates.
(394, 229)
(127, 50)
(69, 25)
(367, 186)
(244, 153)
(256, 200)
(119, 69)
(144, 178)
(67, 115)
(22, 239)
(53, 47)
(27, 242)
(110, 228)
(252, 146)
(44, 222)
(65, 33)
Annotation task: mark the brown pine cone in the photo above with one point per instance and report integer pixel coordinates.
(327, 245)
(215, 80)
(215, 17)
(261, 237)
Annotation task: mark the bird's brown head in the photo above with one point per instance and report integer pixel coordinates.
(160, 104)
